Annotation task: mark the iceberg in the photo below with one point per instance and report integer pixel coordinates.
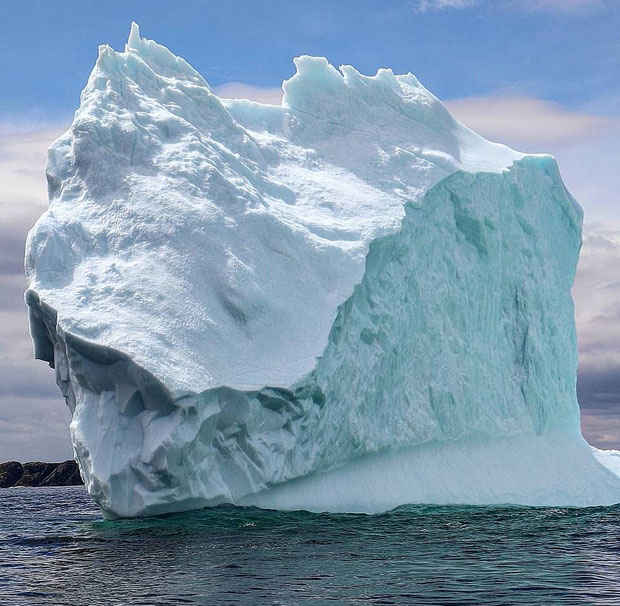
(349, 302)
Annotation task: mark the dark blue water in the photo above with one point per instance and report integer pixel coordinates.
(56, 549)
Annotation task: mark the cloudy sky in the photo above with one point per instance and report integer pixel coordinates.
(540, 75)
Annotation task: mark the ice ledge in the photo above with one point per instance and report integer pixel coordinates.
(143, 451)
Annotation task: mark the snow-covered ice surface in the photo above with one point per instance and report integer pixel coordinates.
(346, 303)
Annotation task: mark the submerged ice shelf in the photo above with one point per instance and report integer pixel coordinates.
(347, 302)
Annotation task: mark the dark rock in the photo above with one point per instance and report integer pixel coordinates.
(65, 474)
(35, 473)
(39, 474)
(75, 479)
(10, 473)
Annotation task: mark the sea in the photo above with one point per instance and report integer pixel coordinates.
(55, 548)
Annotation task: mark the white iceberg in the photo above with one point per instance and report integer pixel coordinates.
(346, 303)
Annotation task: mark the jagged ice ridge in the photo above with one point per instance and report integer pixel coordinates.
(346, 303)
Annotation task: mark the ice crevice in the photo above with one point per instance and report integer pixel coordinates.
(245, 304)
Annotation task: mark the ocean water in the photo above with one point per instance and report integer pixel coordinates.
(56, 549)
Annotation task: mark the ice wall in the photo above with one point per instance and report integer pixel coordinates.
(399, 285)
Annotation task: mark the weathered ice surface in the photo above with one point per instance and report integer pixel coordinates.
(346, 303)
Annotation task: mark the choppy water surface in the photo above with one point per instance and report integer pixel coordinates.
(56, 549)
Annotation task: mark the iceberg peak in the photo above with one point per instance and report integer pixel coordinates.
(134, 39)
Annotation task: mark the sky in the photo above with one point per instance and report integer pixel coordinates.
(539, 75)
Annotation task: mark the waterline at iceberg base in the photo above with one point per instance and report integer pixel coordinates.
(347, 303)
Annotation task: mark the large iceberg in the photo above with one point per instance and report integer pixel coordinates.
(347, 303)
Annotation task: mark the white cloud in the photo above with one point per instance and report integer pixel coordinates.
(559, 6)
(590, 170)
(436, 5)
(528, 122)
(35, 429)
(238, 90)
(34, 420)
(563, 6)
(596, 293)
(23, 189)
(597, 299)
(20, 125)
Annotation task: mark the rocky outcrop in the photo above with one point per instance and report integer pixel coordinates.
(65, 474)
(33, 474)
(10, 473)
(36, 473)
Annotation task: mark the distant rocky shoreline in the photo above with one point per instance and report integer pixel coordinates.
(36, 473)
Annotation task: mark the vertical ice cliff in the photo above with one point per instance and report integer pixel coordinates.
(348, 302)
